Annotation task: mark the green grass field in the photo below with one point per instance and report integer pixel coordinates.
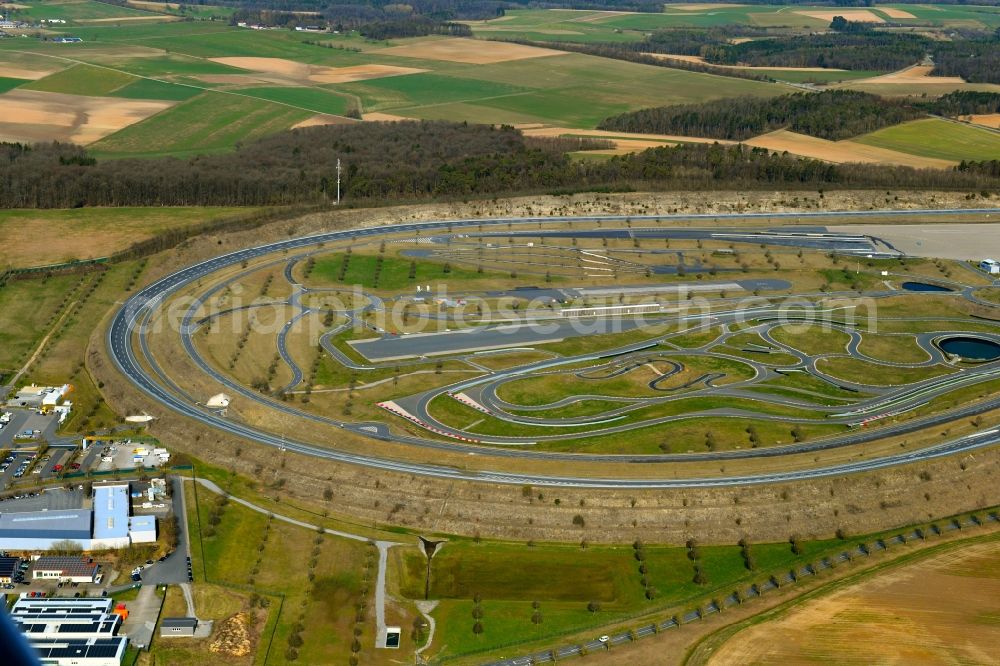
(933, 137)
(394, 274)
(563, 579)
(246, 550)
(7, 83)
(210, 122)
(79, 10)
(82, 80)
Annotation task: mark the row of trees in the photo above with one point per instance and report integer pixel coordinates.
(412, 161)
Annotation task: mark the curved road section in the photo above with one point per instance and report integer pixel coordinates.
(130, 317)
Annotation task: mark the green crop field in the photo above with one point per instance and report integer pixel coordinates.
(581, 90)
(427, 89)
(80, 11)
(934, 137)
(153, 89)
(210, 122)
(313, 99)
(7, 83)
(82, 80)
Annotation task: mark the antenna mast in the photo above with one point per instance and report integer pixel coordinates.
(338, 181)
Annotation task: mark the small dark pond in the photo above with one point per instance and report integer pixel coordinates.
(978, 349)
(923, 286)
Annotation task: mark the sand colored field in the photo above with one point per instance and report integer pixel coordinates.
(895, 13)
(384, 117)
(322, 119)
(841, 152)
(238, 79)
(940, 610)
(697, 6)
(986, 119)
(856, 15)
(117, 19)
(362, 73)
(13, 5)
(297, 71)
(701, 61)
(471, 51)
(915, 74)
(652, 139)
(31, 116)
(154, 6)
(32, 74)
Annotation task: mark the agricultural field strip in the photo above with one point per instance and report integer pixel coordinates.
(119, 346)
(756, 590)
(203, 89)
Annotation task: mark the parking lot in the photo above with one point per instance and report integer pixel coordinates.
(27, 421)
(52, 499)
(122, 455)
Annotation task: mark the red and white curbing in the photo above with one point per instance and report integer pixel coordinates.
(469, 402)
(393, 408)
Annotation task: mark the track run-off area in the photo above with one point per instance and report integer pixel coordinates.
(128, 345)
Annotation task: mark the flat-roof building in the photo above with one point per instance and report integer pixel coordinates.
(62, 606)
(80, 651)
(111, 509)
(107, 525)
(8, 567)
(41, 530)
(178, 626)
(65, 568)
(142, 529)
(34, 625)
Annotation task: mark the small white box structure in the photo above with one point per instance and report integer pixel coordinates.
(142, 529)
(991, 266)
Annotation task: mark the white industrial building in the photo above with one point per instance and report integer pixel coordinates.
(107, 525)
(991, 266)
(61, 606)
(142, 529)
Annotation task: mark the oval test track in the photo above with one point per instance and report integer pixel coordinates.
(128, 318)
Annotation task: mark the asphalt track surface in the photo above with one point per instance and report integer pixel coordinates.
(131, 316)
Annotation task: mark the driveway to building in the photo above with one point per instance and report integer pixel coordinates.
(143, 612)
(174, 568)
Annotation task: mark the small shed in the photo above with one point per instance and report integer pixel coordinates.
(178, 626)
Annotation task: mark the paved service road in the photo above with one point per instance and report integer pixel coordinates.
(130, 316)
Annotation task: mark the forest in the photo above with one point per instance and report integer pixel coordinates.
(387, 163)
(975, 60)
(832, 114)
(868, 51)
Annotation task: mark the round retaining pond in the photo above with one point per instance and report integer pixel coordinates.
(968, 347)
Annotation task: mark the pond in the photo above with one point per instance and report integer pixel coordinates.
(977, 349)
(923, 286)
